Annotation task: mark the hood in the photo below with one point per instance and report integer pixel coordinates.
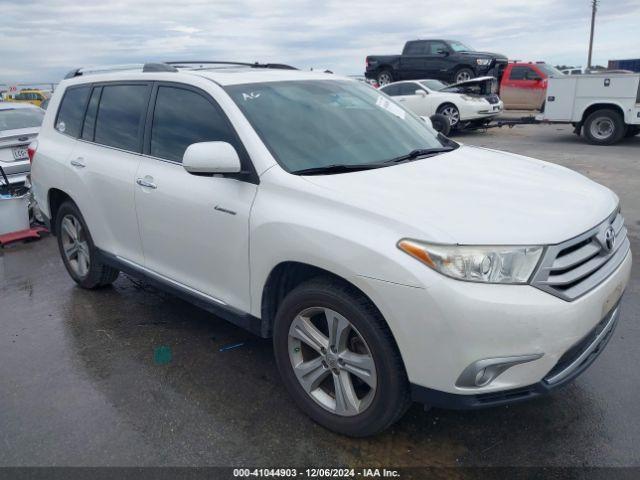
(477, 196)
(479, 85)
(474, 53)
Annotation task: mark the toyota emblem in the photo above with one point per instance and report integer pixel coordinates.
(609, 239)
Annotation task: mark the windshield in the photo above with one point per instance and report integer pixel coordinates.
(14, 118)
(433, 84)
(318, 123)
(460, 47)
(549, 70)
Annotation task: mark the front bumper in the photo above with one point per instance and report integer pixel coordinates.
(575, 361)
(446, 325)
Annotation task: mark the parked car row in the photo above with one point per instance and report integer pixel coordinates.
(19, 126)
(471, 102)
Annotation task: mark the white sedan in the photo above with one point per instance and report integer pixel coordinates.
(469, 103)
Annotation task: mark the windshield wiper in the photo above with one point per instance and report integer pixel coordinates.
(337, 168)
(419, 153)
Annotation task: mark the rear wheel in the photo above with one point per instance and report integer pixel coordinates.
(385, 77)
(604, 127)
(338, 359)
(78, 252)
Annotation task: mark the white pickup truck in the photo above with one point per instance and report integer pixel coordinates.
(604, 107)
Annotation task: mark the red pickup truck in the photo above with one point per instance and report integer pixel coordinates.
(523, 85)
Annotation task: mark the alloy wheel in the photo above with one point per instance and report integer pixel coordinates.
(463, 76)
(452, 114)
(384, 79)
(75, 245)
(332, 361)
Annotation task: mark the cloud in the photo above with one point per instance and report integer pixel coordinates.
(40, 40)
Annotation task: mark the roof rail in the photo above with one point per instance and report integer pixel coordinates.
(146, 67)
(169, 67)
(192, 63)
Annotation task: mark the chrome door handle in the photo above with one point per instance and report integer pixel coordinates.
(143, 183)
(78, 163)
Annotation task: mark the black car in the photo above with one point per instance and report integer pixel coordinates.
(447, 60)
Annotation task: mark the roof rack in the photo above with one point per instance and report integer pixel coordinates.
(201, 64)
(170, 67)
(146, 67)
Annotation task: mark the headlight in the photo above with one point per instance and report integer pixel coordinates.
(488, 264)
(483, 61)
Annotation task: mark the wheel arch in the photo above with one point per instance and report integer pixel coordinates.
(55, 198)
(601, 106)
(286, 276)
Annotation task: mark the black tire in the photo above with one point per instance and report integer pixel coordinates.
(388, 404)
(440, 123)
(463, 72)
(384, 77)
(451, 112)
(632, 131)
(98, 274)
(594, 129)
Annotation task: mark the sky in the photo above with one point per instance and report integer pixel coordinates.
(41, 40)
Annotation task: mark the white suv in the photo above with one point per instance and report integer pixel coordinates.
(387, 262)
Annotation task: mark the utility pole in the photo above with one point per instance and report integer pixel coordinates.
(594, 8)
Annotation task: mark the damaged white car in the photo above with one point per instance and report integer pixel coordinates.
(472, 103)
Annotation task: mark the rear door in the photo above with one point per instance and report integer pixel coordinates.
(103, 166)
(412, 60)
(195, 228)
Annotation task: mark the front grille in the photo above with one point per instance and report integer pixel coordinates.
(572, 268)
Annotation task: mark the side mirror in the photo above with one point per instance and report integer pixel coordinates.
(211, 157)
(534, 76)
(420, 93)
(443, 52)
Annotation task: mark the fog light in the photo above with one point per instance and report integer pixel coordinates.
(482, 372)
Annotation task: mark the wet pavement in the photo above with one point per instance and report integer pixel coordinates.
(131, 376)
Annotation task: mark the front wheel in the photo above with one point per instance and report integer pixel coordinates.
(604, 127)
(450, 111)
(338, 359)
(463, 75)
(78, 252)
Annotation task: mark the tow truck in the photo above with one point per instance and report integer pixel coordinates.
(603, 108)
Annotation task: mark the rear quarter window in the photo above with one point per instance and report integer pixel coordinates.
(71, 111)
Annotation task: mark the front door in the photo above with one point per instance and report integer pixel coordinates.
(195, 229)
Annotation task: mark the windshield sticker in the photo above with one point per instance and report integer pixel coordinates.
(250, 96)
(390, 107)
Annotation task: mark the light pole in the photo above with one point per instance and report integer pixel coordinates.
(594, 8)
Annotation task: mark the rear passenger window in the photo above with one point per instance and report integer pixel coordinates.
(182, 117)
(71, 110)
(120, 113)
